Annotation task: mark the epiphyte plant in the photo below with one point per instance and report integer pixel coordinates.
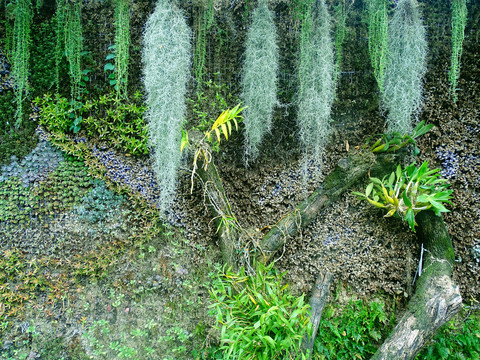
(406, 67)
(316, 73)
(408, 191)
(166, 68)
(259, 78)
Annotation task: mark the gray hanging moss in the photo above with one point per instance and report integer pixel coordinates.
(316, 73)
(259, 78)
(406, 66)
(166, 69)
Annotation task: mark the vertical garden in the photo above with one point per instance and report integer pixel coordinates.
(254, 179)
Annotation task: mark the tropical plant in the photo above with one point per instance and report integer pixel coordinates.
(21, 54)
(395, 141)
(257, 315)
(259, 78)
(122, 44)
(316, 73)
(408, 191)
(166, 60)
(377, 11)
(459, 21)
(406, 66)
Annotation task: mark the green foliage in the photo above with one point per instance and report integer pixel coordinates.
(377, 11)
(119, 122)
(459, 21)
(456, 340)
(42, 59)
(316, 80)
(354, 332)
(203, 22)
(210, 100)
(13, 141)
(258, 317)
(259, 78)
(406, 66)
(166, 60)
(409, 191)
(395, 141)
(16, 202)
(122, 45)
(21, 55)
(98, 205)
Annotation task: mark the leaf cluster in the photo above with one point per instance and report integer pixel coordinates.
(408, 191)
(395, 141)
(352, 333)
(257, 316)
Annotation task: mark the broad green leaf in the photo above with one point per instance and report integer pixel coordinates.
(368, 190)
(406, 200)
(376, 181)
(391, 179)
(108, 66)
(358, 194)
(410, 218)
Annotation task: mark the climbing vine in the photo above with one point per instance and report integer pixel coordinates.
(459, 21)
(9, 17)
(21, 54)
(377, 11)
(122, 45)
(203, 22)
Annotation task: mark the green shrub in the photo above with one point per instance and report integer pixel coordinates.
(406, 66)
(259, 78)
(459, 340)
(316, 80)
(166, 61)
(258, 317)
(352, 333)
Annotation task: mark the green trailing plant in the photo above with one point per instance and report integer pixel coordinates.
(122, 46)
(9, 17)
(340, 33)
(459, 21)
(316, 73)
(204, 20)
(377, 14)
(259, 81)
(166, 64)
(70, 43)
(257, 316)
(408, 191)
(396, 141)
(407, 49)
(21, 55)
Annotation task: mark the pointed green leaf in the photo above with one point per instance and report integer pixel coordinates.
(368, 190)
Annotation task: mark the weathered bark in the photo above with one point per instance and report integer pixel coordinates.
(347, 172)
(317, 303)
(436, 300)
(218, 203)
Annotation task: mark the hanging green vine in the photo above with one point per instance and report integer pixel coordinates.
(459, 21)
(377, 37)
(9, 18)
(21, 54)
(60, 45)
(122, 43)
(203, 21)
(69, 27)
(340, 32)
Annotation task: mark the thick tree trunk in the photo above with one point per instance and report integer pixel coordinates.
(347, 172)
(436, 300)
(317, 303)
